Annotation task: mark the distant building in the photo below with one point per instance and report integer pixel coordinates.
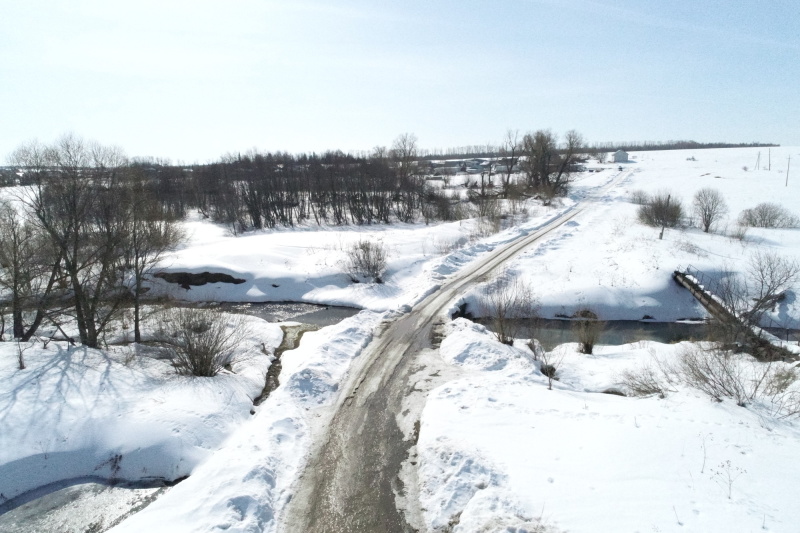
(620, 156)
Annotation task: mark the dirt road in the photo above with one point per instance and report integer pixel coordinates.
(351, 480)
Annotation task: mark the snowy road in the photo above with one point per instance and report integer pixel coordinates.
(351, 481)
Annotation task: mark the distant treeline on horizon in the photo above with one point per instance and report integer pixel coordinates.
(460, 152)
(674, 145)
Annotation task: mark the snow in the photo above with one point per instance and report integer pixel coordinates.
(606, 260)
(496, 449)
(245, 483)
(306, 264)
(77, 412)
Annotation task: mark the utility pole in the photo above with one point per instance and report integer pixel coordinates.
(664, 219)
(769, 159)
(758, 161)
(787, 170)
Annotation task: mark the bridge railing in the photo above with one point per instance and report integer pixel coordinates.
(766, 323)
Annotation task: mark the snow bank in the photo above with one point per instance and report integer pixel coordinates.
(471, 346)
(245, 485)
(77, 412)
(497, 449)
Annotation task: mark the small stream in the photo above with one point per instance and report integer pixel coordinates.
(552, 332)
(77, 506)
(312, 314)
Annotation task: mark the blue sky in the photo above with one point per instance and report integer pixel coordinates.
(192, 80)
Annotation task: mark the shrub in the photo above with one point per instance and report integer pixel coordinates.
(588, 329)
(366, 260)
(647, 381)
(768, 215)
(549, 371)
(200, 342)
(506, 300)
(739, 232)
(716, 372)
(723, 374)
(662, 211)
(639, 197)
(550, 361)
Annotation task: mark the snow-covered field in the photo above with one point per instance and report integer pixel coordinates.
(497, 449)
(619, 268)
(605, 260)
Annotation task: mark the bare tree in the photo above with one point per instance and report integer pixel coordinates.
(149, 235)
(404, 152)
(75, 201)
(506, 301)
(540, 151)
(547, 166)
(749, 297)
(709, 207)
(30, 269)
(769, 277)
(509, 156)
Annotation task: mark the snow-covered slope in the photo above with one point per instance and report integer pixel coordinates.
(77, 412)
(497, 448)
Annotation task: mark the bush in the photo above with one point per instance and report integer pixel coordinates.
(588, 329)
(506, 300)
(720, 374)
(550, 361)
(549, 371)
(739, 232)
(366, 260)
(200, 342)
(644, 381)
(639, 197)
(768, 215)
(716, 372)
(723, 374)
(662, 211)
(657, 377)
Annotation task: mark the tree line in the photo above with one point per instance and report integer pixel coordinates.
(84, 225)
(634, 146)
(79, 238)
(258, 190)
